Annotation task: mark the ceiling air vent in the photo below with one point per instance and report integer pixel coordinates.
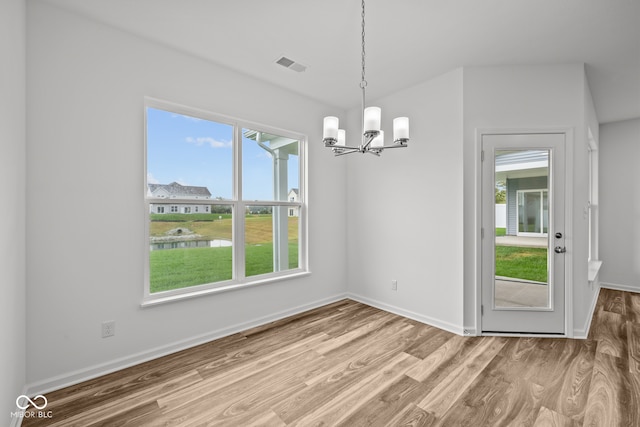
(290, 64)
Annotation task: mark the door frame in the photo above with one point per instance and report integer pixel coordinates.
(568, 223)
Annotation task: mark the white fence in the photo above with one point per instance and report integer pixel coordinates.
(501, 216)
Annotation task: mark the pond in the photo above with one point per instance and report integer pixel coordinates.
(217, 243)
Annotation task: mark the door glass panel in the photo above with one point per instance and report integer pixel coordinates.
(521, 233)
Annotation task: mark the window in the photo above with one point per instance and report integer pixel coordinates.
(533, 212)
(160, 209)
(592, 203)
(246, 231)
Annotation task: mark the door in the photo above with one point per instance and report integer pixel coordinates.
(523, 289)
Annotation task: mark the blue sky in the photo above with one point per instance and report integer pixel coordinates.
(193, 151)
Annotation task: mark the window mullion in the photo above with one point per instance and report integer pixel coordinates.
(238, 217)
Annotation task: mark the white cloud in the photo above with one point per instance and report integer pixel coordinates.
(212, 142)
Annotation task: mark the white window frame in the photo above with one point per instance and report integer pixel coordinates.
(593, 257)
(525, 233)
(239, 279)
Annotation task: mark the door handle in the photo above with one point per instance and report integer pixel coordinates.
(560, 249)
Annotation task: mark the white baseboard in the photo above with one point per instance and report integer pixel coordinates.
(17, 421)
(76, 377)
(456, 329)
(582, 334)
(470, 331)
(617, 287)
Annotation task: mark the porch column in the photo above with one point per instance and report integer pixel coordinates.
(280, 218)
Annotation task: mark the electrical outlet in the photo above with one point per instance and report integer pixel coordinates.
(108, 328)
(394, 285)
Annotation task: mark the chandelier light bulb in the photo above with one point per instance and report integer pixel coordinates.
(372, 118)
(330, 128)
(400, 128)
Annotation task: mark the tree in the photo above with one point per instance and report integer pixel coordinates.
(501, 193)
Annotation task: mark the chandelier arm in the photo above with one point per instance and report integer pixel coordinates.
(368, 137)
(397, 145)
(345, 152)
(348, 147)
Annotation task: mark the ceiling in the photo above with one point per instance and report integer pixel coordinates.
(407, 41)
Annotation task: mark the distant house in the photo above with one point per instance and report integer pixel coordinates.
(294, 196)
(179, 192)
(525, 175)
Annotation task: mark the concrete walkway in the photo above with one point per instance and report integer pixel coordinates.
(514, 293)
(528, 242)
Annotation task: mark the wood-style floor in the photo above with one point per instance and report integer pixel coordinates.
(348, 364)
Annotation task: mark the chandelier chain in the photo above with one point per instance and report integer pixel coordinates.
(364, 82)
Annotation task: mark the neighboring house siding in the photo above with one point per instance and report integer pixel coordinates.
(175, 190)
(162, 208)
(513, 185)
(293, 196)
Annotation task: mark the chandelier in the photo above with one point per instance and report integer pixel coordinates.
(372, 136)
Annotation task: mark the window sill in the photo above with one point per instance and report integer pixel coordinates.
(154, 300)
(594, 268)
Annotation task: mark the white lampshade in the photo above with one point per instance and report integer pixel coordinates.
(400, 128)
(330, 128)
(378, 141)
(372, 117)
(342, 137)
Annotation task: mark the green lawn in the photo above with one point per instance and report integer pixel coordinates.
(178, 268)
(184, 267)
(522, 263)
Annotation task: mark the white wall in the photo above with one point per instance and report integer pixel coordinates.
(12, 174)
(528, 97)
(585, 293)
(620, 204)
(397, 227)
(86, 84)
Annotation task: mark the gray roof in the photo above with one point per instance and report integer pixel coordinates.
(175, 189)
